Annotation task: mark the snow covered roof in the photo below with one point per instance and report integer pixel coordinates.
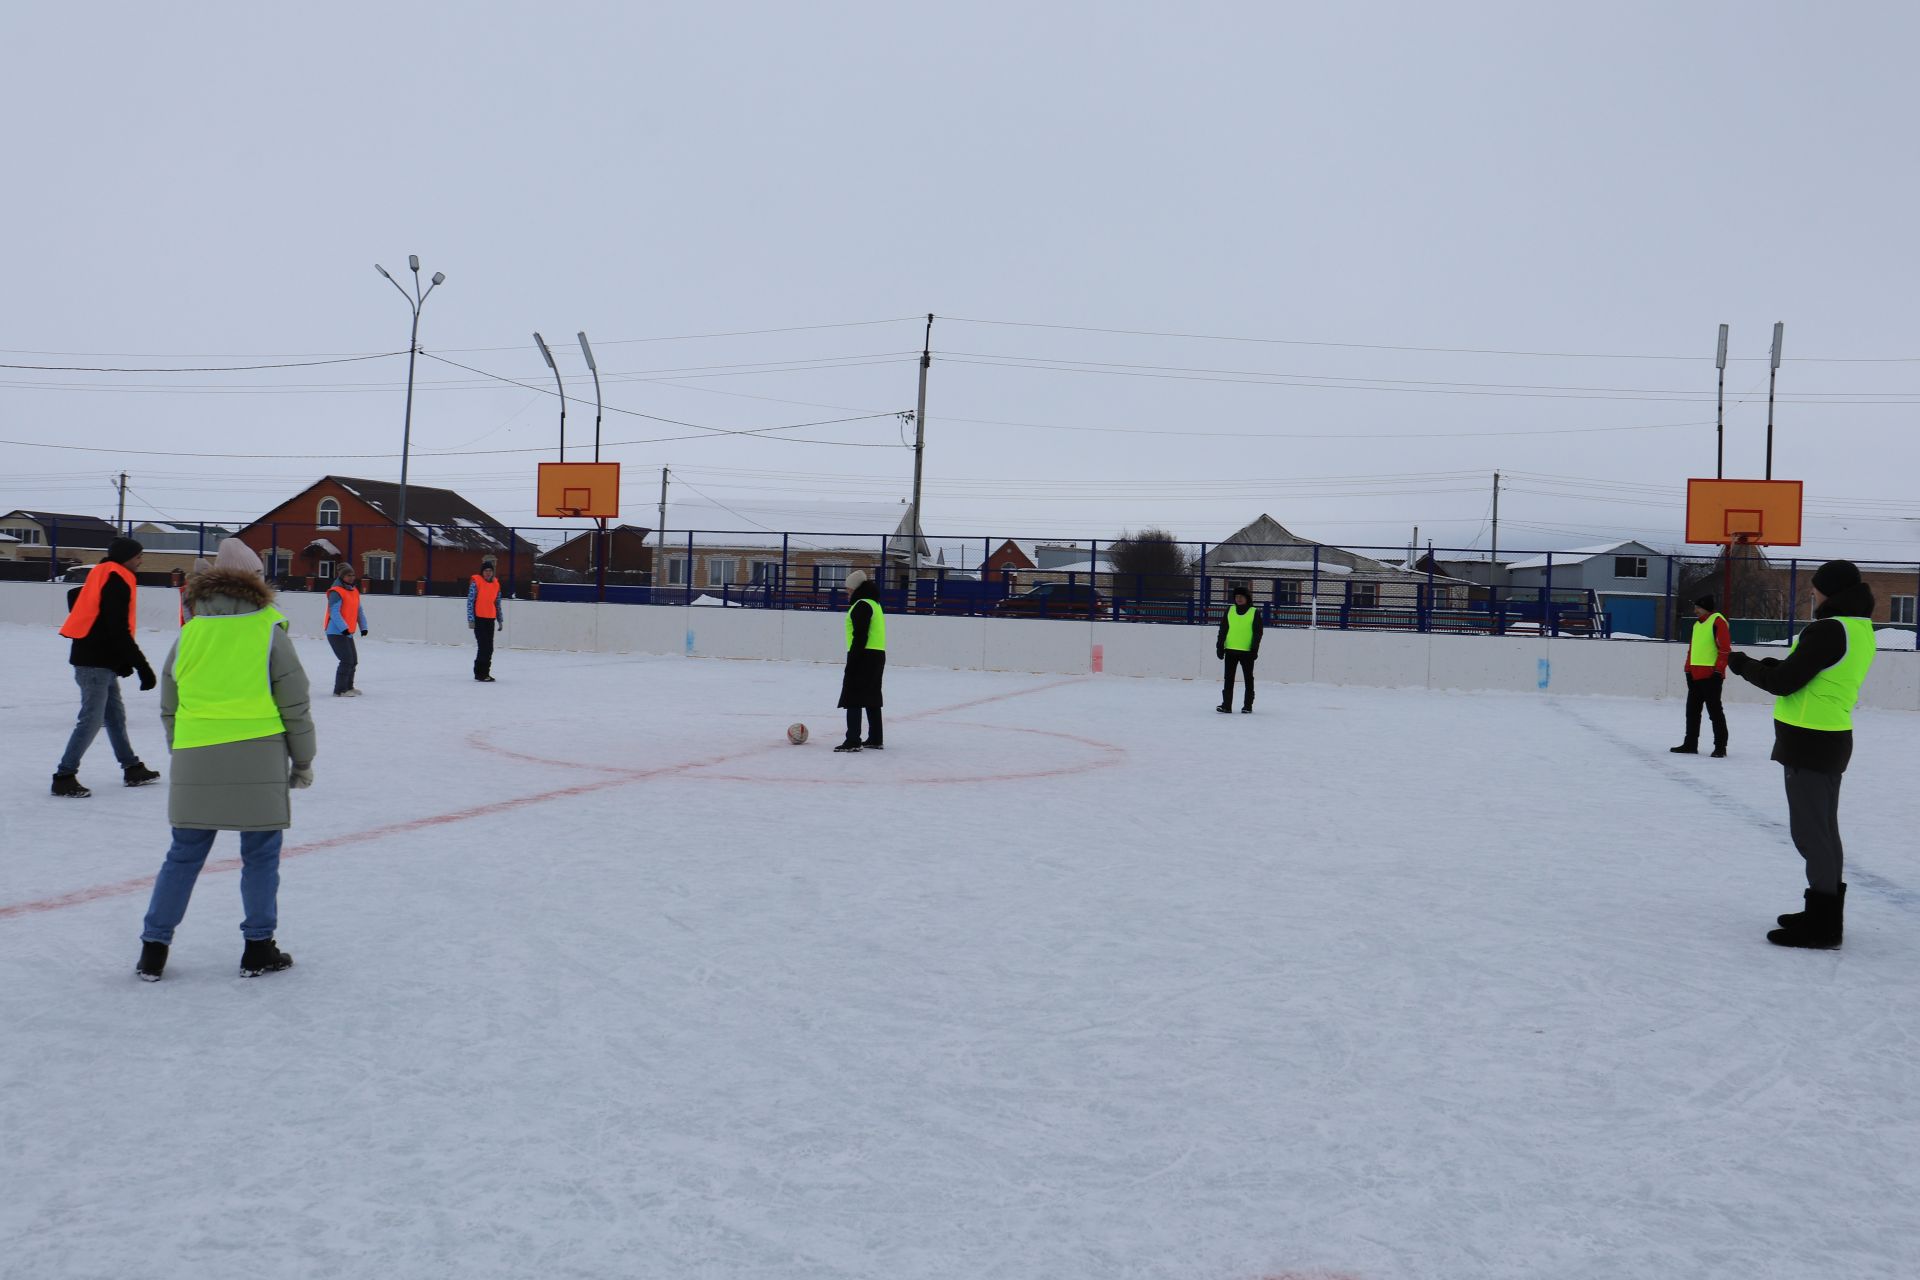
(1286, 565)
(325, 546)
(1580, 555)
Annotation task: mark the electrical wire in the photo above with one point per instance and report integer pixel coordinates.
(234, 368)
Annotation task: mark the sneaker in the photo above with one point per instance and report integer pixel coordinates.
(347, 693)
(1246, 711)
(263, 957)
(138, 775)
(153, 960)
(1224, 709)
(68, 785)
(484, 679)
(872, 744)
(1720, 752)
(851, 744)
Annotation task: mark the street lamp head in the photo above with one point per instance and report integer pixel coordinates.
(588, 352)
(382, 270)
(546, 354)
(413, 260)
(439, 277)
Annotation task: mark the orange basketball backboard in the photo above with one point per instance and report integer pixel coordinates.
(1761, 513)
(590, 489)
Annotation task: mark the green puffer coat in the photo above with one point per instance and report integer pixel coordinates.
(239, 786)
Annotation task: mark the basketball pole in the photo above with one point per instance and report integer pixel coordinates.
(1720, 412)
(1779, 328)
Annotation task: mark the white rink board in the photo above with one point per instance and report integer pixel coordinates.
(1378, 659)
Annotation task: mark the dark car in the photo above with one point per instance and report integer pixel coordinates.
(1055, 600)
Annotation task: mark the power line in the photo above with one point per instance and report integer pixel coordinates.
(232, 368)
(1381, 346)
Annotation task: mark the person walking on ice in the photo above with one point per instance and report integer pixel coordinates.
(345, 615)
(1238, 641)
(1707, 652)
(1815, 688)
(866, 662)
(234, 700)
(100, 622)
(485, 614)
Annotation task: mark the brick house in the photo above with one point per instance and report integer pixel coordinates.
(629, 554)
(343, 519)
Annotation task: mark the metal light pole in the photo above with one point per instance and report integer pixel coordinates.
(587, 351)
(1720, 414)
(1779, 330)
(415, 301)
(548, 355)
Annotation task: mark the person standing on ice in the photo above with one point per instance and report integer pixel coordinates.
(866, 662)
(345, 615)
(1707, 652)
(485, 613)
(100, 622)
(1238, 642)
(235, 703)
(1815, 688)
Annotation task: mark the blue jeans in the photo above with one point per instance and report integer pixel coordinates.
(99, 704)
(259, 883)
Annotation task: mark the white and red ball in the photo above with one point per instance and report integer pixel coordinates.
(797, 734)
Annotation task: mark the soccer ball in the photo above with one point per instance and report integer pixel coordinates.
(797, 734)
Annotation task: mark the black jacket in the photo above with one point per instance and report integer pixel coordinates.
(1220, 636)
(110, 643)
(1821, 645)
(860, 685)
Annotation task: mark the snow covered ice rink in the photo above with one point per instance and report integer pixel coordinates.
(598, 977)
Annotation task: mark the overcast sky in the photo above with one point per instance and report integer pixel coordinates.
(1354, 184)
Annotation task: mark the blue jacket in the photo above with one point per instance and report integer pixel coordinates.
(336, 621)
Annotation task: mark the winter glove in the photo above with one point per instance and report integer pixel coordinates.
(1737, 662)
(1218, 652)
(147, 680)
(301, 778)
(469, 624)
(363, 631)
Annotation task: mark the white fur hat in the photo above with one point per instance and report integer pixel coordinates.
(856, 580)
(235, 554)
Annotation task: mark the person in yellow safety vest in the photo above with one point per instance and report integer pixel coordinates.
(866, 626)
(1238, 642)
(1707, 652)
(485, 615)
(1815, 688)
(235, 704)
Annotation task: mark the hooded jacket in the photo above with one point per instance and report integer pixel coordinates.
(1821, 645)
(239, 786)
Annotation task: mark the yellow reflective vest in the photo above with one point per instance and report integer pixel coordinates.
(1240, 629)
(1704, 650)
(221, 672)
(876, 629)
(1826, 702)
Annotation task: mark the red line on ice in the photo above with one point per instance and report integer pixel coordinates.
(624, 777)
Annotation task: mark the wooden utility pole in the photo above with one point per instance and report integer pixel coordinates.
(121, 519)
(1494, 556)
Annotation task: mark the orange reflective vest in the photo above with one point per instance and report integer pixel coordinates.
(86, 610)
(349, 606)
(486, 597)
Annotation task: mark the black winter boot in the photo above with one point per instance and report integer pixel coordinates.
(138, 775)
(68, 785)
(1686, 749)
(1798, 919)
(153, 960)
(851, 744)
(1224, 709)
(1820, 925)
(263, 957)
(1720, 751)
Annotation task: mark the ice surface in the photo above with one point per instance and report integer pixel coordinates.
(598, 977)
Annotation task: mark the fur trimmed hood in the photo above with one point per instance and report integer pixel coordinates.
(243, 589)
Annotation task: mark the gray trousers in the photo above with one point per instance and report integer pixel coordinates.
(1813, 814)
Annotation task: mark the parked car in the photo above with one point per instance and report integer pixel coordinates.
(1056, 600)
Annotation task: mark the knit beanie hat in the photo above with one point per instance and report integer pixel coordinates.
(1705, 602)
(856, 580)
(122, 550)
(1835, 576)
(235, 554)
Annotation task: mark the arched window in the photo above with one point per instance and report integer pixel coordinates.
(329, 517)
